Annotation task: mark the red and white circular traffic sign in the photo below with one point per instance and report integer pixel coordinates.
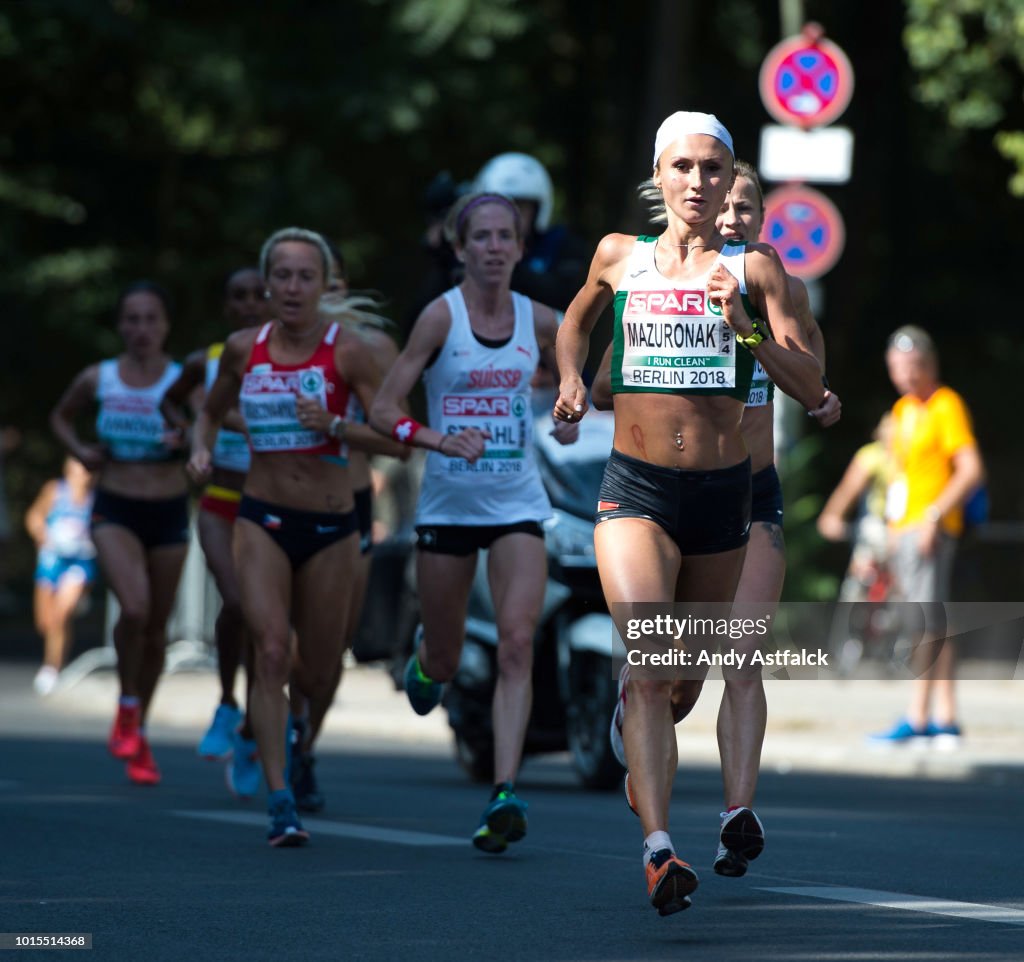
(806, 80)
(806, 229)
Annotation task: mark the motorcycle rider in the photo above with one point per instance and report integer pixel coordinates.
(554, 262)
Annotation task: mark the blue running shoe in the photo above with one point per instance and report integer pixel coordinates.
(503, 821)
(900, 734)
(216, 743)
(244, 772)
(286, 830)
(423, 692)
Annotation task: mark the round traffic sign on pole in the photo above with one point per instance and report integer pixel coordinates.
(806, 80)
(806, 229)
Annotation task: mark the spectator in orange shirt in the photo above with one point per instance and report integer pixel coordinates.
(937, 468)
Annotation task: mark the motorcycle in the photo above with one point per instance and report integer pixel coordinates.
(574, 685)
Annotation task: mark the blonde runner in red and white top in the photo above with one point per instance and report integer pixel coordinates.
(270, 390)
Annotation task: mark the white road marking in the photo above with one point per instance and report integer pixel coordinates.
(318, 826)
(909, 903)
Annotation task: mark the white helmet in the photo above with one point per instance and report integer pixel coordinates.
(520, 177)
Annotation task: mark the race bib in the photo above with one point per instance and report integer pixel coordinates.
(267, 402)
(504, 417)
(132, 428)
(670, 341)
(231, 451)
(68, 537)
(758, 396)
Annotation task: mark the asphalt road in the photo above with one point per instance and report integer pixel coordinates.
(857, 867)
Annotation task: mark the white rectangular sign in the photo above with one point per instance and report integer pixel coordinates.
(823, 156)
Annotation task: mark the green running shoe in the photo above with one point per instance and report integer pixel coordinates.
(423, 692)
(503, 821)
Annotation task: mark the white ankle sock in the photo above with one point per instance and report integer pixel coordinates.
(655, 842)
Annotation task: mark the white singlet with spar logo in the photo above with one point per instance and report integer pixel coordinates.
(471, 385)
(129, 423)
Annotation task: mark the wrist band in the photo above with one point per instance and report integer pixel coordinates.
(336, 422)
(755, 337)
(405, 430)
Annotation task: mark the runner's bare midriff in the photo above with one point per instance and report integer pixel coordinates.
(146, 482)
(649, 427)
(300, 481)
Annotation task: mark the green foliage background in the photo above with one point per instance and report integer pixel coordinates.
(166, 140)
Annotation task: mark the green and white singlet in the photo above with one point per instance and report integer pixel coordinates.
(762, 388)
(669, 338)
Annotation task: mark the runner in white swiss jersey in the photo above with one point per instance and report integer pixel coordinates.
(477, 348)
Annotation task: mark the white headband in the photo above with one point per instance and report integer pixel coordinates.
(684, 122)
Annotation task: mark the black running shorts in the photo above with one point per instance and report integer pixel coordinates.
(704, 512)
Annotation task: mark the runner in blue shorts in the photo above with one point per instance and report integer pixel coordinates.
(58, 522)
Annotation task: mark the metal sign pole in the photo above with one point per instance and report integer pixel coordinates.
(791, 16)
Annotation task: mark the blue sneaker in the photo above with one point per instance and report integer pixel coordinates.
(900, 733)
(423, 692)
(503, 821)
(216, 743)
(286, 830)
(244, 772)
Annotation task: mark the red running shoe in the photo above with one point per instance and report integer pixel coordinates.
(142, 768)
(124, 738)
